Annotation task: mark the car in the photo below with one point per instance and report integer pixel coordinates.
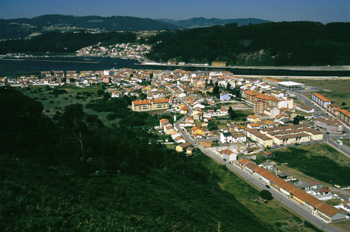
(267, 186)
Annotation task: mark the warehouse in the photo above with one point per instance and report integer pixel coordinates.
(290, 85)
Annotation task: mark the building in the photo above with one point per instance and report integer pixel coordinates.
(228, 155)
(152, 104)
(320, 100)
(318, 208)
(344, 116)
(260, 138)
(228, 137)
(218, 63)
(290, 85)
(333, 109)
(250, 95)
(163, 122)
(224, 96)
(305, 108)
(182, 147)
(270, 81)
(331, 125)
(292, 134)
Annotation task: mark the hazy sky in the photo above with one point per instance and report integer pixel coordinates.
(275, 10)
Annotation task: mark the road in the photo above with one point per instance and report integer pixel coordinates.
(295, 207)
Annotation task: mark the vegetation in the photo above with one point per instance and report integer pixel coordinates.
(73, 173)
(270, 213)
(265, 194)
(335, 90)
(63, 42)
(328, 167)
(15, 28)
(285, 43)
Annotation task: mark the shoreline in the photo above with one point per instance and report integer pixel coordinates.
(281, 68)
(295, 77)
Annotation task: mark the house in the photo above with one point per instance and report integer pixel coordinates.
(205, 143)
(224, 96)
(179, 139)
(254, 125)
(268, 155)
(253, 119)
(197, 130)
(228, 155)
(182, 147)
(163, 122)
(229, 137)
(168, 129)
(189, 150)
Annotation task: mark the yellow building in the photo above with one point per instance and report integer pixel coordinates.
(154, 104)
(197, 130)
(260, 138)
(218, 63)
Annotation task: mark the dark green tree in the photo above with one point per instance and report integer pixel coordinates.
(231, 113)
(265, 194)
(212, 126)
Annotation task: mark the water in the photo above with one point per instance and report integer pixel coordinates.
(35, 65)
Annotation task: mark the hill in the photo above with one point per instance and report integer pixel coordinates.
(22, 27)
(204, 22)
(63, 43)
(284, 43)
(74, 174)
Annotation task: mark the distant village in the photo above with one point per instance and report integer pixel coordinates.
(203, 104)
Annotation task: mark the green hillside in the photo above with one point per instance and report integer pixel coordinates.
(75, 174)
(15, 28)
(285, 43)
(55, 42)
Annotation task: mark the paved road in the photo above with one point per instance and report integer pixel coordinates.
(297, 208)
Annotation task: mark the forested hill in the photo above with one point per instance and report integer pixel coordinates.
(284, 43)
(21, 27)
(204, 22)
(62, 43)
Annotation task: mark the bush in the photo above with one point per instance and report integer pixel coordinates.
(264, 194)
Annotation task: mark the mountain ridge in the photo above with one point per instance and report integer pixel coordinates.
(205, 22)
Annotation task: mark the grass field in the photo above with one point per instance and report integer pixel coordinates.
(335, 90)
(321, 162)
(272, 213)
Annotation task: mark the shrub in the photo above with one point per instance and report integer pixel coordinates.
(264, 194)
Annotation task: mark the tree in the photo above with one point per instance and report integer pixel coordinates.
(143, 96)
(297, 119)
(264, 194)
(100, 92)
(212, 126)
(77, 125)
(231, 113)
(216, 89)
(343, 104)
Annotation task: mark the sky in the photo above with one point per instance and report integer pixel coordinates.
(324, 11)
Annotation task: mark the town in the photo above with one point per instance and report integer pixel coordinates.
(228, 117)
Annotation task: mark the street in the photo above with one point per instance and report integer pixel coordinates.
(295, 207)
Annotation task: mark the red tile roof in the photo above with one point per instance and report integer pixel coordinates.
(321, 97)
